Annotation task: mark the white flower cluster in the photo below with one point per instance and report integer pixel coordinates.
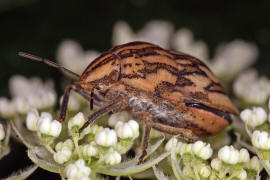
(43, 124)
(71, 55)
(251, 88)
(78, 171)
(261, 140)
(157, 32)
(254, 117)
(199, 149)
(230, 155)
(27, 93)
(63, 151)
(183, 41)
(232, 58)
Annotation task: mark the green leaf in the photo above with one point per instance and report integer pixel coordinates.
(159, 174)
(43, 159)
(132, 168)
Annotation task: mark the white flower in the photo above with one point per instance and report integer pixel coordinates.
(62, 155)
(67, 143)
(261, 140)
(202, 150)
(123, 116)
(48, 126)
(7, 108)
(89, 150)
(254, 164)
(94, 129)
(171, 144)
(106, 137)
(204, 171)
(243, 156)
(21, 105)
(2, 132)
(252, 89)
(229, 155)
(185, 149)
(71, 55)
(112, 157)
(254, 117)
(216, 164)
(77, 171)
(242, 175)
(32, 119)
(157, 32)
(31, 93)
(233, 57)
(127, 130)
(77, 121)
(183, 41)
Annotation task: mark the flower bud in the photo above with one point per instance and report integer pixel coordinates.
(254, 164)
(185, 149)
(229, 155)
(171, 144)
(21, 105)
(7, 108)
(94, 129)
(77, 121)
(32, 119)
(77, 171)
(62, 155)
(254, 117)
(204, 171)
(243, 156)
(202, 150)
(122, 116)
(242, 175)
(128, 130)
(106, 137)
(48, 126)
(67, 143)
(261, 140)
(216, 164)
(89, 149)
(112, 157)
(2, 132)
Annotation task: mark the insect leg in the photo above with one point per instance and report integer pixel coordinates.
(64, 105)
(146, 135)
(99, 113)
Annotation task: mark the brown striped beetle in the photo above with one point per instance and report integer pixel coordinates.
(172, 92)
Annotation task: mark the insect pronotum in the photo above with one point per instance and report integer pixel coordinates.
(169, 91)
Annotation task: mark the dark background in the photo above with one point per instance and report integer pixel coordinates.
(38, 27)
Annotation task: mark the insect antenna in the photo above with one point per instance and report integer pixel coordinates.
(48, 62)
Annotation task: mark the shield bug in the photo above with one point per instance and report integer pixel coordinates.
(172, 92)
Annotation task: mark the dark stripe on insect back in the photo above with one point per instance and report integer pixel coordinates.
(185, 72)
(158, 65)
(141, 52)
(135, 43)
(101, 63)
(194, 104)
(212, 85)
(132, 76)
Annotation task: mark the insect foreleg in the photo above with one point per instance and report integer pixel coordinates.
(100, 112)
(145, 140)
(64, 105)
